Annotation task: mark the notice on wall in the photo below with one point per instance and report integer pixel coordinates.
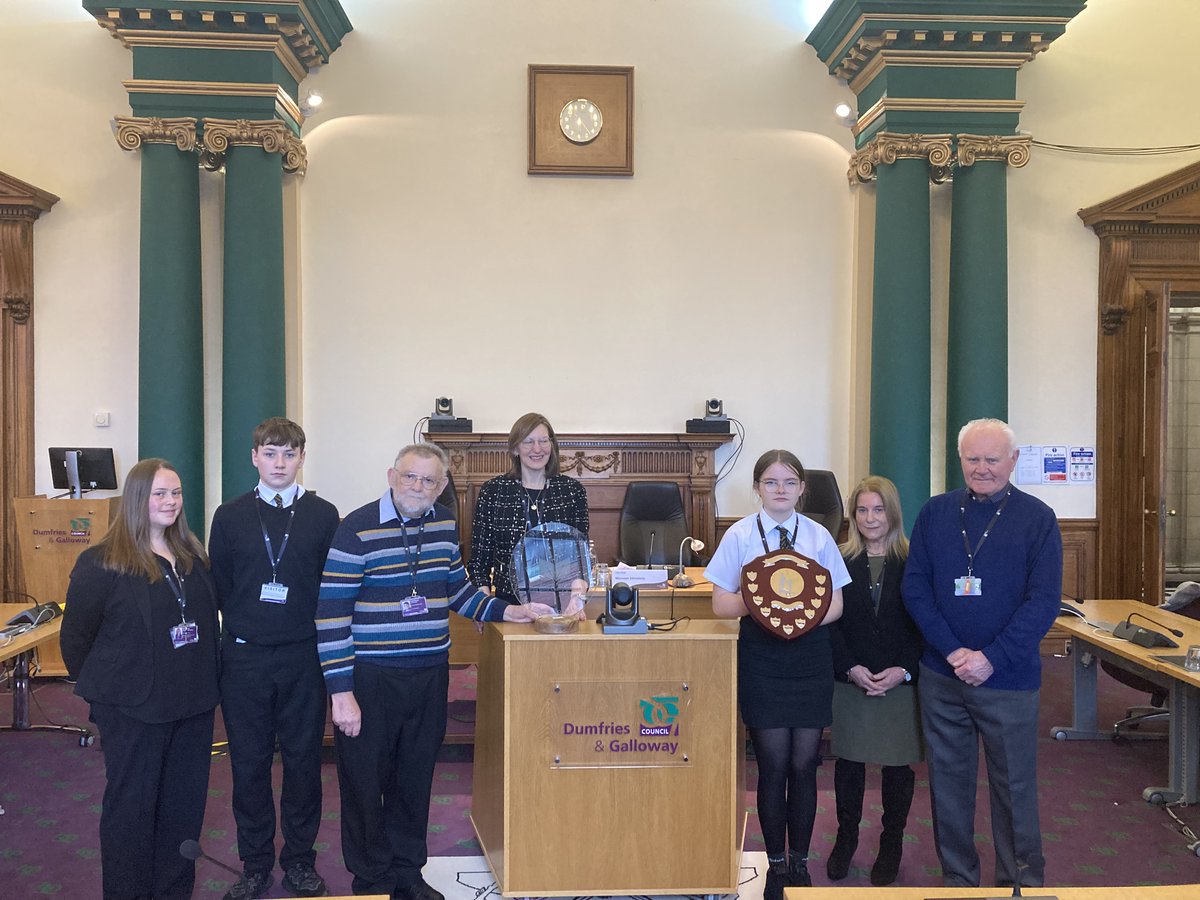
(1054, 464)
(1082, 468)
(1029, 465)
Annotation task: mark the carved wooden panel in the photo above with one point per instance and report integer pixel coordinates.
(605, 464)
(20, 206)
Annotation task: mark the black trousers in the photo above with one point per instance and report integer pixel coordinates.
(386, 774)
(156, 783)
(271, 694)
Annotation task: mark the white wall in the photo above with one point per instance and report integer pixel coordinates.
(433, 265)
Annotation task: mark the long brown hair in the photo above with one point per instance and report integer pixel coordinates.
(520, 430)
(897, 543)
(126, 548)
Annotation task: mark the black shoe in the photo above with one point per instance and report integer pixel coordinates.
(887, 864)
(777, 880)
(838, 865)
(418, 890)
(798, 874)
(303, 880)
(250, 886)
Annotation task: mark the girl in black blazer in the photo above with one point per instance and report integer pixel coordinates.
(139, 636)
(876, 648)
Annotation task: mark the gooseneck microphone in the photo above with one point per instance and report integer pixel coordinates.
(1144, 637)
(650, 552)
(191, 850)
(1174, 631)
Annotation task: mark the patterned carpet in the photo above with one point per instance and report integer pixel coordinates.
(1096, 827)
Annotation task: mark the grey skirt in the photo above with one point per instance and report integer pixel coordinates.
(884, 730)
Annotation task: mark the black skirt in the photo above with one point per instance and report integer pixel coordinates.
(784, 684)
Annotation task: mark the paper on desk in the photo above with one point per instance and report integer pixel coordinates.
(635, 577)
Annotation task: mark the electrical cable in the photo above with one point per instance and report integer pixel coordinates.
(1116, 151)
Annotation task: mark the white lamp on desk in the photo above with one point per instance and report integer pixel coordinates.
(682, 579)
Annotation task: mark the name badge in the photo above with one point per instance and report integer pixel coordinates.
(184, 633)
(273, 592)
(414, 605)
(968, 586)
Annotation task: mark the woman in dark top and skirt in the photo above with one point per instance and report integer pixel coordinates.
(876, 648)
(139, 635)
(785, 687)
(530, 493)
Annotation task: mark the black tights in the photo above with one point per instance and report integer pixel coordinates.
(787, 786)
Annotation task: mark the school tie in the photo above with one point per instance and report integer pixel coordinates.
(278, 501)
(785, 539)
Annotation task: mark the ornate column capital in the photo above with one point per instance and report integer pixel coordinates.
(271, 136)
(1012, 149)
(133, 131)
(17, 308)
(887, 147)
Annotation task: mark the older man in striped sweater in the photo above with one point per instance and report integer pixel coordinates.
(393, 575)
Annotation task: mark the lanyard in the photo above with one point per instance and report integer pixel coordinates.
(413, 563)
(762, 534)
(962, 521)
(176, 584)
(287, 532)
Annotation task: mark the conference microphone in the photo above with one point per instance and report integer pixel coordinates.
(1144, 637)
(1078, 600)
(650, 552)
(191, 850)
(1174, 631)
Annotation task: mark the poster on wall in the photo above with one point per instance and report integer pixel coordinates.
(1054, 464)
(1029, 465)
(1083, 465)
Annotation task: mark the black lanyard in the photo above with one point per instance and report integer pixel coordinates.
(962, 521)
(287, 532)
(176, 584)
(413, 563)
(762, 534)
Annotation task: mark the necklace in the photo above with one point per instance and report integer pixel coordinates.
(534, 499)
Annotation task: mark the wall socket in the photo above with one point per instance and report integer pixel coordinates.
(102, 419)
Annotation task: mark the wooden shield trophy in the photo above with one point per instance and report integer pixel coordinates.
(786, 593)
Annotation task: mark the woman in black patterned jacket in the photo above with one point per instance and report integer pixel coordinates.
(530, 493)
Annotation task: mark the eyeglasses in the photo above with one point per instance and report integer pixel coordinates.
(540, 442)
(408, 479)
(792, 484)
(163, 494)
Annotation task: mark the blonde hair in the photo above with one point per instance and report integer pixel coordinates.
(126, 547)
(897, 543)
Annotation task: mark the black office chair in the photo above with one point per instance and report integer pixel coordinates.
(449, 497)
(1184, 602)
(822, 501)
(653, 524)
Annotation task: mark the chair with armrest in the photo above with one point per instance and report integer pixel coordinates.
(653, 524)
(1184, 602)
(822, 501)
(449, 497)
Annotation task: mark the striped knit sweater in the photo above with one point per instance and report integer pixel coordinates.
(368, 575)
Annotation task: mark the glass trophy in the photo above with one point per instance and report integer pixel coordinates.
(552, 565)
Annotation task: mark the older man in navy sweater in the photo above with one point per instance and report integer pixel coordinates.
(983, 583)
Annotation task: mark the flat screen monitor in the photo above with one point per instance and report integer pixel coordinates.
(82, 469)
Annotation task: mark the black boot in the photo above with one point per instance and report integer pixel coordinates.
(777, 880)
(849, 779)
(898, 784)
(798, 870)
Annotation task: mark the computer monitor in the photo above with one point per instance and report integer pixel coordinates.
(82, 469)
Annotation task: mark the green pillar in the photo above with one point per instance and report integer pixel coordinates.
(170, 325)
(900, 337)
(977, 337)
(253, 366)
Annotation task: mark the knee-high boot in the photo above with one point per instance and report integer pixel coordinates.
(849, 778)
(898, 784)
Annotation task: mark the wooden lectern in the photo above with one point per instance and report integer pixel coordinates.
(610, 764)
(51, 535)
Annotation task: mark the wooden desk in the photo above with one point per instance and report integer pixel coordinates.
(1157, 892)
(656, 604)
(22, 649)
(576, 789)
(1092, 643)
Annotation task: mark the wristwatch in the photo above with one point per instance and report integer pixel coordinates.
(907, 676)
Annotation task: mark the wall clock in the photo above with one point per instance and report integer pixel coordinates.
(581, 120)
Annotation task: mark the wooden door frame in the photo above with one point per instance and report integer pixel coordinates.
(1148, 236)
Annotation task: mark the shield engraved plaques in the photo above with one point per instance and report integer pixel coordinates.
(786, 593)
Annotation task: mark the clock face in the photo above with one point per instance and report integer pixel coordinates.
(580, 121)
